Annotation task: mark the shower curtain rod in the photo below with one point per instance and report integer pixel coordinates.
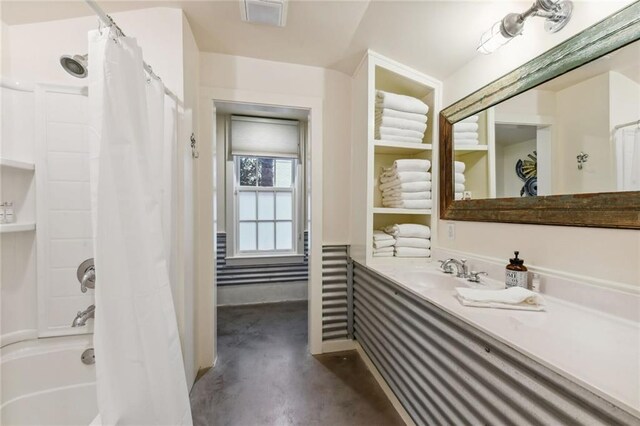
(631, 123)
(108, 21)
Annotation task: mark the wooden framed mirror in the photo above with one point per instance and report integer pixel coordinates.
(577, 169)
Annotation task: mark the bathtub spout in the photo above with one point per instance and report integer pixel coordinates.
(82, 316)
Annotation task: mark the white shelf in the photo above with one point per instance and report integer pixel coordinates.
(16, 227)
(16, 164)
(400, 147)
(388, 210)
(461, 149)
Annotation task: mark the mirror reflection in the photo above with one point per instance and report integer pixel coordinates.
(577, 133)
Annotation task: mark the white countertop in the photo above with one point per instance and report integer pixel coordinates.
(597, 350)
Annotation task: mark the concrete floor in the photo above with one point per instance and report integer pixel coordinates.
(265, 376)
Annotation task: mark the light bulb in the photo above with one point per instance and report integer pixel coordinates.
(493, 39)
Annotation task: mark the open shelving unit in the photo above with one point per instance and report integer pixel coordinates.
(370, 156)
(17, 164)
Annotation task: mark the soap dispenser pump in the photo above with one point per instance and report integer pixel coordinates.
(516, 272)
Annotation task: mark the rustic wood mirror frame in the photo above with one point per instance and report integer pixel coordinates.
(606, 210)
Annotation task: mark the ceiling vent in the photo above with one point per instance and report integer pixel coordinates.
(265, 12)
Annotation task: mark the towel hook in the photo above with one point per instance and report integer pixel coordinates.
(582, 158)
(194, 151)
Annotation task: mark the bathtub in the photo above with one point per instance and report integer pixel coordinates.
(43, 382)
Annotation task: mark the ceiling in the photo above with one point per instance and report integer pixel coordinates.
(331, 34)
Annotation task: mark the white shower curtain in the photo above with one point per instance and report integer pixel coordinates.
(628, 159)
(139, 367)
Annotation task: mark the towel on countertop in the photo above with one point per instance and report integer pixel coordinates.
(408, 204)
(383, 254)
(382, 132)
(382, 236)
(405, 177)
(412, 165)
(472, 119)
(413, 242)
(510, 298)
(391, 195)
(410, 230)
(465, 127)
(400, 102)
(401, 139)
(388, 112)
(459, 178)
(465, 135)
(458, 196)
(459, 166)
(400, 123)
(377, 245)
(406, 186)
(458, 187)
(412, 252)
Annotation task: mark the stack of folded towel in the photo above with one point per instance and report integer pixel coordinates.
(400, 118)
(465, 132)
(459, 179)
(411, 240)
(407, 184)
(383, 244)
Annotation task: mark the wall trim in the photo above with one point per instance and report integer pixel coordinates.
(329, 346)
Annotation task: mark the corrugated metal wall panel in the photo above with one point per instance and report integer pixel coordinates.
(445, 371)
(336, 291)
(257, 274)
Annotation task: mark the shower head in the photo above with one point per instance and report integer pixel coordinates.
(75, 65)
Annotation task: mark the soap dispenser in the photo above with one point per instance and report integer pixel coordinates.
(516, 272)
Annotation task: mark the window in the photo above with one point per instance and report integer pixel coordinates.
(265, 205)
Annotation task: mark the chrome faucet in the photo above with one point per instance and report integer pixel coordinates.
(82, 316)
(474, 276)
(462, 269)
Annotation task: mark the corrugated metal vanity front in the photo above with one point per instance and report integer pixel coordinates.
(445, 371)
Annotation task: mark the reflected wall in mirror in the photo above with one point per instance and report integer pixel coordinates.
(577, 133)
(556, 141)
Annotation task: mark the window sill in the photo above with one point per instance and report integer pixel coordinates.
(265, 260)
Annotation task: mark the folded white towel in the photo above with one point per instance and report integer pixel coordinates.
(401, 102)
(412, 252)
(461, 144)
(406, 177)
(401, 139)
(385, 254)
(459, 178)
(413, 242)
(411, 230)
(510, 298)
(464, 135)
(387, 249)
(408, 204)
(458, 166)
(412, 165)
(465, 127)
(382, 236)
(382, 132)
(390, 195)
(390, 172)
(388, 112)
(400, 123)
(472, 119)
(406, 186)
(458, 196)
(458, 187)
(383, 243)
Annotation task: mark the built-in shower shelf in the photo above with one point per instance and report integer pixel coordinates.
(16, 227)
(16, 164)
(388, 210)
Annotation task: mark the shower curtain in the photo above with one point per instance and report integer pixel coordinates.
(628, 159)
(139, 366)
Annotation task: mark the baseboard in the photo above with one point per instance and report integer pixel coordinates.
(338, 346)
(385, 387)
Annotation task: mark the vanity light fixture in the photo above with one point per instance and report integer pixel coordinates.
(556, 13)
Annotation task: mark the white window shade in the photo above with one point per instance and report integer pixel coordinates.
(264, 137)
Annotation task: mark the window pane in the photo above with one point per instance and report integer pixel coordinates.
(246, 205)
(265, 236)
(284, 173)
(248, 171)
(247, 237)
(265, 176)
(265, 205)
(284, 206)
(284, 235)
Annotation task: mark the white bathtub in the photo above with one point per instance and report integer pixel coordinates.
(45, 383)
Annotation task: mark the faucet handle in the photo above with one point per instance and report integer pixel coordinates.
(446, 269)
(474, 276)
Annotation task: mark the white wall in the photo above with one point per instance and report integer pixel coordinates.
(594, 254)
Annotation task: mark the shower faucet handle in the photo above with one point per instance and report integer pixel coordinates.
(87, 275)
